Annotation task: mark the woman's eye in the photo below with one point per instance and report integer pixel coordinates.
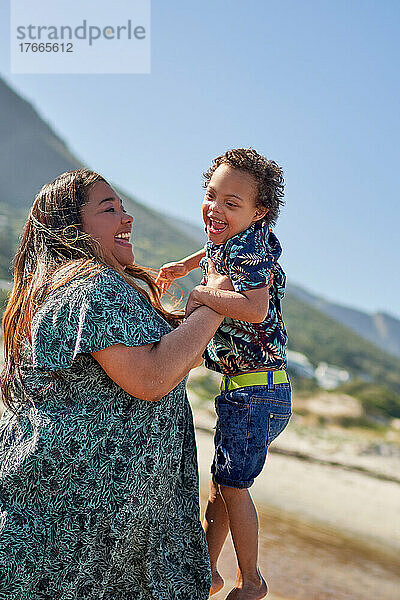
(231, 204)
(111, 209)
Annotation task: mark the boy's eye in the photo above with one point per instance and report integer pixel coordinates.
(231, 204)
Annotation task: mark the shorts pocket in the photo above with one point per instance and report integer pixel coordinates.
(237, 397)
(276, 424)
(233, 418)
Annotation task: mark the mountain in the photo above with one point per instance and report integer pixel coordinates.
(322, 338)
(32, 154)
(194, 231)
(381, 329)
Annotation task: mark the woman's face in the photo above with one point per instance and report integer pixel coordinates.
(105, 219)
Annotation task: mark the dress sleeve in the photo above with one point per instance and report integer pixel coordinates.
(89, 316)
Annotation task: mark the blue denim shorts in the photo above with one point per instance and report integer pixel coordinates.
(249, 419)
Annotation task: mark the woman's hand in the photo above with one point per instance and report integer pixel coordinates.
(194, 300)
(215, 281)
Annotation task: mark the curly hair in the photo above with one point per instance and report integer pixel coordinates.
(267, 174)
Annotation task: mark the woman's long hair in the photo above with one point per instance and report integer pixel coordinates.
(54, 249)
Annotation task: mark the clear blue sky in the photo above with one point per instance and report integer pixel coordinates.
(313, 84)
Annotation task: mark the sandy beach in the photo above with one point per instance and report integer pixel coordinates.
(327, 531)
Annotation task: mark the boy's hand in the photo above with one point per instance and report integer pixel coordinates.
(169, 272)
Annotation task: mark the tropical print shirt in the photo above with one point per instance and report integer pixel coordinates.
(248, 259)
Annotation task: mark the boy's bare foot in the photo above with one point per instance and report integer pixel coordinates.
(217, 583)
(249, 591)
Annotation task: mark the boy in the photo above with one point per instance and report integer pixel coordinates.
(243, 196)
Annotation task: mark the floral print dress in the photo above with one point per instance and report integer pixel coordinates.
(98, 489)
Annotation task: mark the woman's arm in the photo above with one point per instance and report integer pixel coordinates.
(151, 371)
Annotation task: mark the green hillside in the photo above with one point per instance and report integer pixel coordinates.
(321, 338)
(11, 224)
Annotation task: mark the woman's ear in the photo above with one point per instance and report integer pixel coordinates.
(260, 213)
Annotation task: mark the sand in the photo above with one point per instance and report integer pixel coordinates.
(343, 528)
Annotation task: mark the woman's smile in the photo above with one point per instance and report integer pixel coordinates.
(123, 238)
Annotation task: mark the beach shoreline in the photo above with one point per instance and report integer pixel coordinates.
(335, 525)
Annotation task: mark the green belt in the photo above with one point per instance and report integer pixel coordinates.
(257, 378)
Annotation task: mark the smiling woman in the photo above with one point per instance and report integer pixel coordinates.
(98, 472)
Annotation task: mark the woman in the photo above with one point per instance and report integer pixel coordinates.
(98, 481)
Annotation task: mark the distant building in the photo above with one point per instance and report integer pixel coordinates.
(329, 377)
(5, 285)
(300, 364)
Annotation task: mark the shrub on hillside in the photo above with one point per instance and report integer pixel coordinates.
(377, 400)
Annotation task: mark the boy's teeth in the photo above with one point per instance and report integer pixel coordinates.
(217, 225)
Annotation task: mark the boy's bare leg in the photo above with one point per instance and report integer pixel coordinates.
(216, 527)
(243, 522)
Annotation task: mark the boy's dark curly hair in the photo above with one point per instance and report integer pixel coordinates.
(267, 173)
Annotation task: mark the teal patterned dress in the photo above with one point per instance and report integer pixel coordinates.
(98, 489)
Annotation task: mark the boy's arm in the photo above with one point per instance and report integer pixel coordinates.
(174, 270)
(250, 306)
(193, 261)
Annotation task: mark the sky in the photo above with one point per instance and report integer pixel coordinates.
(311, 84)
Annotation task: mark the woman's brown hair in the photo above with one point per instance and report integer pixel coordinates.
(54, 249)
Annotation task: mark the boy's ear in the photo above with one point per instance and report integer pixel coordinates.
(260, 213)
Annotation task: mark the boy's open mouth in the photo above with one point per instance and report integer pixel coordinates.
(215, 226)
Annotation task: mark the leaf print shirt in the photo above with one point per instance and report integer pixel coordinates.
(248, 259)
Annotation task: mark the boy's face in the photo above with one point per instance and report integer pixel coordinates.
(229, 204)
